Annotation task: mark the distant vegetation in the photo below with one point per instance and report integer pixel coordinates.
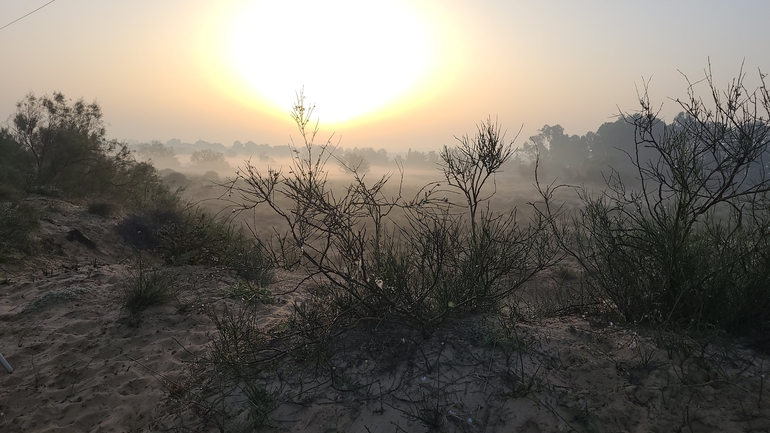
(573, 158)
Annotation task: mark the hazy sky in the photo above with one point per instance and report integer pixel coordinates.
(392, 74)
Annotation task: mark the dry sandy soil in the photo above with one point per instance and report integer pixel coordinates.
(81, 363)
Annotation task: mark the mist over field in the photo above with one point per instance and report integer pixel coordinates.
(203, 168)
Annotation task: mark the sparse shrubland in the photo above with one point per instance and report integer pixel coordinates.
(390, 282)
(140, 229)
(451, 261)
(199, 239)
(250, 292)
(682, 246)
(187, 236)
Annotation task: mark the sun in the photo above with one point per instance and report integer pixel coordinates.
(352, 58)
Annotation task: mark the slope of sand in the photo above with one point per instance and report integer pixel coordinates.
(82, 364)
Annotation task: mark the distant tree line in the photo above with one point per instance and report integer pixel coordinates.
(61, 143)
(585, 158)
(588, 158)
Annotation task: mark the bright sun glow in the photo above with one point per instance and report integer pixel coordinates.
(352, 57)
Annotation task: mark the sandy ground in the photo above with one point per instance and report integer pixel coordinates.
(82, 364)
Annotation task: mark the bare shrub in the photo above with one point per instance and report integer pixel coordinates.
(448, 260)
(689, 247)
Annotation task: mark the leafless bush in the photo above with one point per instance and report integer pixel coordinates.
(690, 246)
(447, 259)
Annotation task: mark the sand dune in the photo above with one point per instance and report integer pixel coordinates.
(82, 364)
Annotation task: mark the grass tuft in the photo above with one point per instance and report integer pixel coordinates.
(250, 293)
(150, 288)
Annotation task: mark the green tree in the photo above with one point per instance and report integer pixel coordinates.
(67, 143)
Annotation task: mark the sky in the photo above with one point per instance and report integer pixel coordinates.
(392, 74)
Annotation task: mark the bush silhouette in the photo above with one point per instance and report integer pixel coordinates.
(443, 263)
(690, 247)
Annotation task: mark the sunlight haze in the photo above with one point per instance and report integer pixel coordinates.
(355, 56)
(396, 75)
